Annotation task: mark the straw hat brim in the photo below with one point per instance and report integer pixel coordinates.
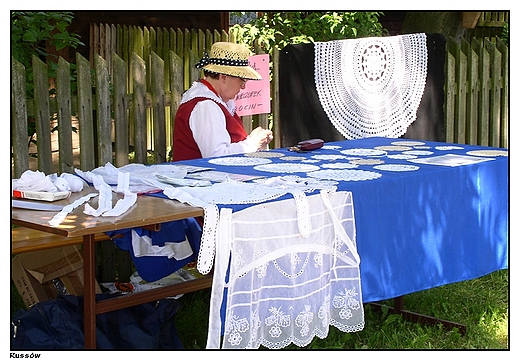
(244, 72)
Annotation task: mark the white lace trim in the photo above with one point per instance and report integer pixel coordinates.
(286, 167)
(345, 174)
(371, 86)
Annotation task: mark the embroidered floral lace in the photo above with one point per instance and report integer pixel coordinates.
(285, 287)
(371, 86)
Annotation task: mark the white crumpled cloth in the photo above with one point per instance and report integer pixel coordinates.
(37, 181)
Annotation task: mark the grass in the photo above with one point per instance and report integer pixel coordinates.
(481, 304)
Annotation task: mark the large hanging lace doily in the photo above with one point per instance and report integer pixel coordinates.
(371, 86)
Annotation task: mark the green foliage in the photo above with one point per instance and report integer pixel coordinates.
(30, 32)
(278, 29)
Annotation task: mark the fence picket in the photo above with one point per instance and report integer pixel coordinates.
(18, 119)
(42, 115)
(63, 95)
(120, 107)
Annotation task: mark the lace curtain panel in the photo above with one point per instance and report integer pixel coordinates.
(371, 86)
(284, 287)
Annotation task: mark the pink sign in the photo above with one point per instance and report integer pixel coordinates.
(256, 97)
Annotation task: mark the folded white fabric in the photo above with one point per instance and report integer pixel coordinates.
(142, 246)
(37, 181)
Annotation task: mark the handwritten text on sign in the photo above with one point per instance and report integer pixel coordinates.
(256, 97)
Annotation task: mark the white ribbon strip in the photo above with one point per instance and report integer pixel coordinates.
(59, 217)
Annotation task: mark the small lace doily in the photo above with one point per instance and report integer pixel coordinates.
(340, 166)
(396, 167)
(344, 174)
(286, 168)
(293, 158)
(240, 161)
(366, 161)
(489, 153)
(328, 156)
(389, 148)
(448, 147)
(265, 154)
(410, 143)
(331, 147)
(418, 152)
(401, 156)
(364, 152)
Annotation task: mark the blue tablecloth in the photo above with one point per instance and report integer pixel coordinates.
(419, 229)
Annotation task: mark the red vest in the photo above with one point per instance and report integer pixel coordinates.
(184, 146)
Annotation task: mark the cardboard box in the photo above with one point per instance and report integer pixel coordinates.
(42, 275)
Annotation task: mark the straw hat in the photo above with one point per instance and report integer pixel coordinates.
(229, 59)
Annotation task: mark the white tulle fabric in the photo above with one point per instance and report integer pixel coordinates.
(284, 287)
(371, 86)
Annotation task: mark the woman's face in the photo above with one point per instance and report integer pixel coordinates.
(230, 86)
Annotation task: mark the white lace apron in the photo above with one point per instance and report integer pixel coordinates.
(285, 287)
(371, 86)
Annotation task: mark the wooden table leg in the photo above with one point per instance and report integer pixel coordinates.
(89, 267)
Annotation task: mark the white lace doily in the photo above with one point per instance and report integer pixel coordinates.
(344, 174)
(328, 156)
(422, 147)
(418, 152)
(364, 152)
(340, 165)
(410, 143)
(401, 156)
(265, 154)
(286, 168)
(331, 147)
(396, 167)
(292, 157)
(371, 86)
(489, 153)
(240, 161)
(296, 182)
(398, 148)
(366, 161)
(448, 147)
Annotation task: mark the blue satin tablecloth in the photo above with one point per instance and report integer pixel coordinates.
(419, 229)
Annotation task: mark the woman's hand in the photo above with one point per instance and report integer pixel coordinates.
(262, 137)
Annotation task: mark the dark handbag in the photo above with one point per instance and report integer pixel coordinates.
(58, 325)
(307, 145)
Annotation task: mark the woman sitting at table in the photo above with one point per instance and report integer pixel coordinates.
(206, 124)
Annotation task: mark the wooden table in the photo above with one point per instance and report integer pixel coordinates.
(147, 212)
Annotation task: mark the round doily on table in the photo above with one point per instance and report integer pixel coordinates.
(418, 152)
(264, 154)
(331, 147)
(448, 147)
(396, 167)
(240, 161)
(398, 148)
(328, 156)
(286, 168)
(410, 143)
(422, 147)
(340, 166)
(292, 158)
(293, 181)
(401, 156)
(489, 153)
(364, 152)
(344, 174)
(366, 161)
